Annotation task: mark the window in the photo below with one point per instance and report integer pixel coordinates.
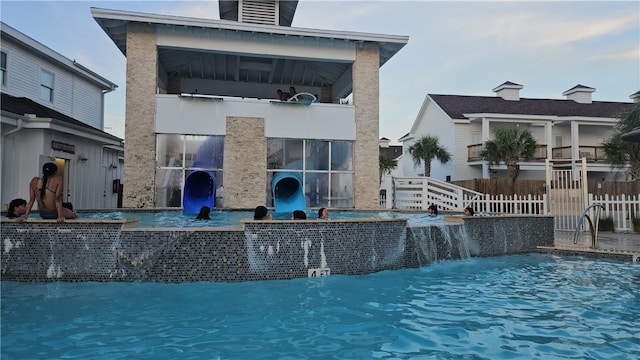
(325, 167)
(3, 68)
(475, 138)
(180, 156)
(46, 85)
(558, 140)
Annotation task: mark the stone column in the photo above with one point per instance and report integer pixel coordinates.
(140, 138)
(366, 101)
(245, 163)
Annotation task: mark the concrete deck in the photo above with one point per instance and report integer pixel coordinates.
(617, 246)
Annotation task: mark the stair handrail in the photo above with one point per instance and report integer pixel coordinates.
(594, 231)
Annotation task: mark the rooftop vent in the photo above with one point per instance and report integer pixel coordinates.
(264, 12)
(258, 12)
(580, 94)
(508, 91)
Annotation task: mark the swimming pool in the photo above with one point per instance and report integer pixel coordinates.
(519, 307)
(177, 218)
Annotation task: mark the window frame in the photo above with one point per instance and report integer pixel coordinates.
(50, 89)
(4, 59)
(305, 172)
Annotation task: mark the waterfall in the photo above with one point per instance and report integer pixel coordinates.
(435, 242)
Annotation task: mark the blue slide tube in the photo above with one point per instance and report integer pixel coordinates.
(287, 192)
(199, 191)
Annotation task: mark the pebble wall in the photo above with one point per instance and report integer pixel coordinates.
(111, 250)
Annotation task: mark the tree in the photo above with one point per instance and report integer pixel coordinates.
(426, 149)
(509, 146)
(621, 153)
(386, 164)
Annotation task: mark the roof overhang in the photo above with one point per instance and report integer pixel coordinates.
(632, 136)
(114, 23)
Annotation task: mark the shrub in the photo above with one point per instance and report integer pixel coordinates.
(606, 224)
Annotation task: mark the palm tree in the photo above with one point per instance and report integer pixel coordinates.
(386, 164)
(509, 146)
(426, 149)
(620, 152)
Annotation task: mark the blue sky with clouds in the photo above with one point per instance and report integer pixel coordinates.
(455, 47)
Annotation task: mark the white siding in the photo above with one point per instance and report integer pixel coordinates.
(73, 95)
(463, 171)
(434, 122)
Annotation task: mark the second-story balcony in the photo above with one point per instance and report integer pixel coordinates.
(563, 153)
(473, 152)
(207, 114)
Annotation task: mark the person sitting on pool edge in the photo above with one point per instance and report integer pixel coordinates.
(323, 213)
(261, 213)
(17, 208)
(468, 211)
(204, 213)
(433, 210)
(47, 191)
(298, 215)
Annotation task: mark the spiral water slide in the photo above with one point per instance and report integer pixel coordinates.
(200, 185)
(288, 194)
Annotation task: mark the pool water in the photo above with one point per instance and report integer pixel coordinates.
(517, 307)
(173, 218)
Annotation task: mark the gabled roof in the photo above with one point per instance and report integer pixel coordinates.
(22, 105)
(457, 105)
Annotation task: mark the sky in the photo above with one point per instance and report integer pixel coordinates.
(455, 47)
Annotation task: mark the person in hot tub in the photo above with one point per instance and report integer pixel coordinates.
(261, 213)
(432, 210)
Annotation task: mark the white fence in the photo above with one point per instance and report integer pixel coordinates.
(623, 209)
(501, 204)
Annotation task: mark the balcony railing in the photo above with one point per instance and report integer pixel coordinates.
(592, 153)
(473, 152)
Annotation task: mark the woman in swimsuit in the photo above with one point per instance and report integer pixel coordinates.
(47, 191)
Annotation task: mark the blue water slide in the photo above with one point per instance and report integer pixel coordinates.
(199, 191)
(288, 194)
(200, 185)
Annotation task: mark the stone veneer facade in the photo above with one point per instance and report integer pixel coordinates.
(245, 167)
(140, 144)
(111, 250)
(245, 176)
(366, 94)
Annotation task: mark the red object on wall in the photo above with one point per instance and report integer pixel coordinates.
(116, 186)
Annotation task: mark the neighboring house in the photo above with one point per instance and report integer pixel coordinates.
(565, 129)
(204, 123)
(52, 110)
(393, 152)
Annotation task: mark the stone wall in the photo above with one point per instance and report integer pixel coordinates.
(366, 100)
(140, 144)
(245, 163)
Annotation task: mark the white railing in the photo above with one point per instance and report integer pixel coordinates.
(623, 209)
(418, 193)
